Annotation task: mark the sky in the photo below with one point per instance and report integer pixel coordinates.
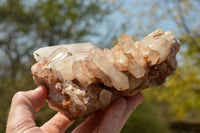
(129, 13)
(136, 15)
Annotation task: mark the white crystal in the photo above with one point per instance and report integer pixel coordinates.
(119, 79)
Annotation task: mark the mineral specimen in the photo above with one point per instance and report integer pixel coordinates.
(81, 78)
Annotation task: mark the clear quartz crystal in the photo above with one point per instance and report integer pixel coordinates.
(136, 63)
(126, 42)
(122, 61)
(65, 66)
(136, 69)
(88, 63)
(119, 79)
(81, 78)
(58, 55)
(157, 45)
(79, 69)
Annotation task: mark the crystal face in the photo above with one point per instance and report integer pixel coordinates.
(87, 78)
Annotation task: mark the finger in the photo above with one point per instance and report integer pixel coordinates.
(91, 123)
(132, 103)
(58, 124)
(23, 107)
(36, 97)
(113, 116)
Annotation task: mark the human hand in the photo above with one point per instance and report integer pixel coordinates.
(112, 119)
(25, 104)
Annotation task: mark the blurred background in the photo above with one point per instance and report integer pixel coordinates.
(26, 25)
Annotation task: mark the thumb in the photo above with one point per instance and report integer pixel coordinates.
(23, 107)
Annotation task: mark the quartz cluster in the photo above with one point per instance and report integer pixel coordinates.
(82, 78)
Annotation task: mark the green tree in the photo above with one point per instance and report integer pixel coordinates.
(183, 17)
(178, 98)
(182, 90)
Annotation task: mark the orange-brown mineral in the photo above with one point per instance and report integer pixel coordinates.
(82, 78)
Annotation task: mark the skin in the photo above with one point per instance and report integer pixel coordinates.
(25, 104)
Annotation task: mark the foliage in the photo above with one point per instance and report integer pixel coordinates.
(180, 94)
(146, 120)
(181, 91)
